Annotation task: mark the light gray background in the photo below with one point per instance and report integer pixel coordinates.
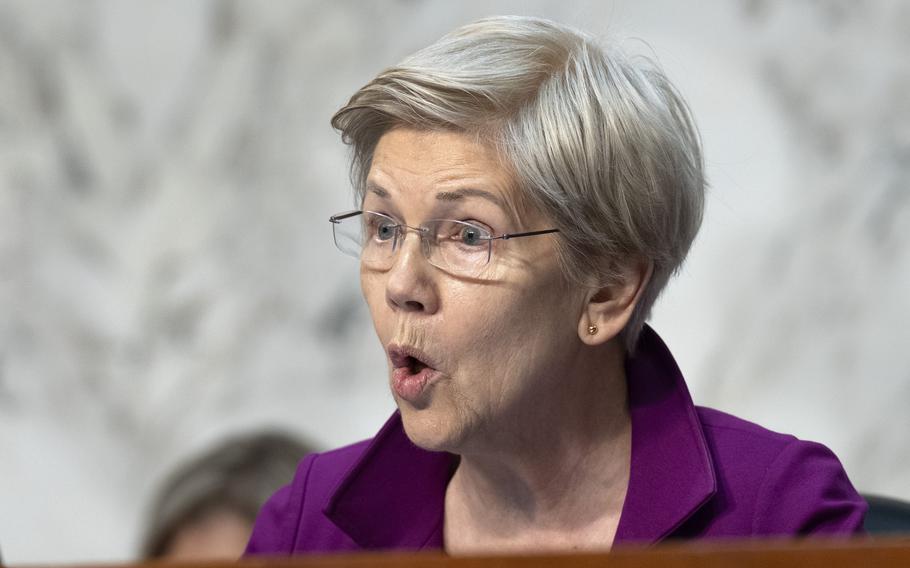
(167, 274)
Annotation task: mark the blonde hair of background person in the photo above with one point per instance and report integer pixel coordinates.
(523, 196)
(206, 507)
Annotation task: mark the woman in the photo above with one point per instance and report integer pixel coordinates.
(206, 508)
(524, 198)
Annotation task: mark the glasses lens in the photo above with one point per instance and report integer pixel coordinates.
(461, 247)
(348, 235)
(370, 236)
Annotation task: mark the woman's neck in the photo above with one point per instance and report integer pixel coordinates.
(554, 479)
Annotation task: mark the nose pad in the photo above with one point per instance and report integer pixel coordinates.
(401, 231)
(423, 235)
(425, 244)
(410, 286)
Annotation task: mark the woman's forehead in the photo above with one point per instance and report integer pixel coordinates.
(442, 157)
(444, 166)
(455, 195)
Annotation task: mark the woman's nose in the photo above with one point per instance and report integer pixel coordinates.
(411, 284)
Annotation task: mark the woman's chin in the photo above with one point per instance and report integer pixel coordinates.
(431, 431)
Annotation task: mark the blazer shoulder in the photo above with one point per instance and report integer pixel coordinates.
(787, 485)
(292, 519)
(806, 490)
(721, 426)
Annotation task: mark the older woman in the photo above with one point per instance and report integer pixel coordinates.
(524, 198)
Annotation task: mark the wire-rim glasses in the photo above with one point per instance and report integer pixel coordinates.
(459, 247)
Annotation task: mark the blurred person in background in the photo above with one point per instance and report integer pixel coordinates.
(524, 195)
(205, 509)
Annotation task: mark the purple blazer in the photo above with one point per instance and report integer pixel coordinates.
(696, 473)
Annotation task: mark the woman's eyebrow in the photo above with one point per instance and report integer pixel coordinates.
(459, 194)
(377, 190)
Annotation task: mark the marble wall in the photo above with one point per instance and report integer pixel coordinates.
(167, 274)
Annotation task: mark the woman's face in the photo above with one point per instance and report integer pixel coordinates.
(470, 359)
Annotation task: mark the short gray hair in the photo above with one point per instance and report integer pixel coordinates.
(599, 142)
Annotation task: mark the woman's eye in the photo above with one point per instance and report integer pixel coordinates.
(385, 230)
(472, 235)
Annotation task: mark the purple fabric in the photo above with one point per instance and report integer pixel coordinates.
(696, 473)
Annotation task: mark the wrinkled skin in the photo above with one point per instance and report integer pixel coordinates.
(505, 344)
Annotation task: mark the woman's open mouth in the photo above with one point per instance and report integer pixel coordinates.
(411, 372)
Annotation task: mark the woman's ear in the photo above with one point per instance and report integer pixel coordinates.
(609, 308)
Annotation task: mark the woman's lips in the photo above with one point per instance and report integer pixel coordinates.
(412, 372)
(410, 385)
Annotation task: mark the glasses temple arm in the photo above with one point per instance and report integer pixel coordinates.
(343, 216)
(508, 236)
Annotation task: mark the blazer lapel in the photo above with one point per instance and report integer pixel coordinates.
(672, 472)
(393, 497)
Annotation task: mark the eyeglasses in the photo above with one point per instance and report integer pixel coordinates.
(454, 246)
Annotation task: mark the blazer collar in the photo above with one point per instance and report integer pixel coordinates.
(672, 473)
(393, 497)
